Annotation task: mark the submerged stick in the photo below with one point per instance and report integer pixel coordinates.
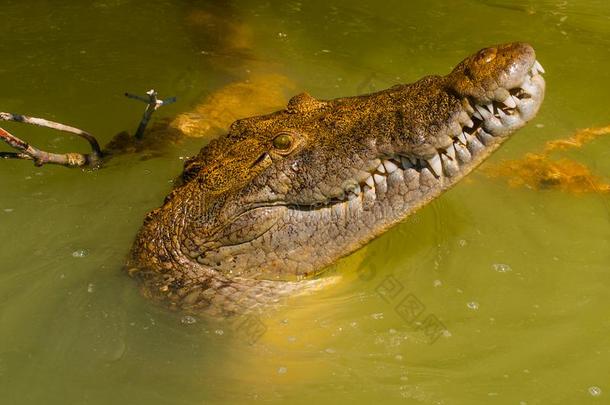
(95, 146)
(153, 104)
(40, 157)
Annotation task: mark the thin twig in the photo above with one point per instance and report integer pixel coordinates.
(95, 146)
(28, 152)
(153, 104)
(40, 157)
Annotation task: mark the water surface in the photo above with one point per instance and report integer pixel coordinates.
(518, 277)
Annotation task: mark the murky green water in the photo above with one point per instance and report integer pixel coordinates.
(532, 329)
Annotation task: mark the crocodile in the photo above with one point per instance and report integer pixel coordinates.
(260, 212)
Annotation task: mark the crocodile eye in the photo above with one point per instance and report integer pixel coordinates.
(283, 142)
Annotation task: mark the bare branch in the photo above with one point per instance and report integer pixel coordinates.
(153, 104)
(40, 157)
(26, 151)
(95, 146)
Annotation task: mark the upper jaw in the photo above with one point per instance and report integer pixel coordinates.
(477, 130)
(484, 122)
(511, 107)
(480, 122)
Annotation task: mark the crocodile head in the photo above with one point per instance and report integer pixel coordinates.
(283, 195)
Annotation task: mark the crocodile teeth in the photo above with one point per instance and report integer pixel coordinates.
(538, 66)
(474, 145)
(468, 136)
(495, 121)
(477, 115)
(509, 102)
(486, 138)
(462, 153)
(450, 166)
(435, 164)
(426, 177)
(378, 178)
(469, 123)
(380, 168)
(406, 163)
(490, 107)
(390, 167)
(485, 114)
(529, 88)
(450, 152)
(369, 182)
(463, 138)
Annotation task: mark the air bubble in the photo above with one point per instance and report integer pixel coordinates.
(188, 320)
(501, 267)
(80, 253)
(473, 305)
(595, 391)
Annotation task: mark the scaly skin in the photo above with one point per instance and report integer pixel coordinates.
(281, 196)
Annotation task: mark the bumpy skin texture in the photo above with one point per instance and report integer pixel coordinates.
(283, 195)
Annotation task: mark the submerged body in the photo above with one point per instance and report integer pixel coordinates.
(281, 196)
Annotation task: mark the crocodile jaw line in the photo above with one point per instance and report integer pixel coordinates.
(391, 187)
(481, 132)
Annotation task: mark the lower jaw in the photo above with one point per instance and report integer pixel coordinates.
(400, 194)
(358, 220)
(401, 185)
(342, 227)
(400, 191)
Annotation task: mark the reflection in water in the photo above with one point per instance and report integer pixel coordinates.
(260, 94)
(541, 171)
